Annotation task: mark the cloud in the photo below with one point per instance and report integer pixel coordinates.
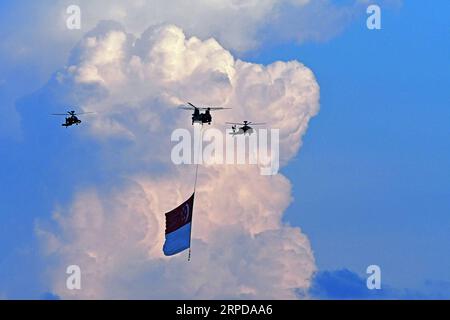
(135, 85)
(115, 231)
(237, 24)
(49, 296)
(240, 25)
(345, 284)
(116, 239)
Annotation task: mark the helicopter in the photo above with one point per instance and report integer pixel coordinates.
(198, 117)
(244, 128)
(72, 118)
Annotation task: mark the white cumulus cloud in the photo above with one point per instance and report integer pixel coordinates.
(241, 247)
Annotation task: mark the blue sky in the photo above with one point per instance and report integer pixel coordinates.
(371, 184)
(372, 181)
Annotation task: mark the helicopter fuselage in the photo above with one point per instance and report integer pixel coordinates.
(70, 121)
(246, 129)
(202, 118)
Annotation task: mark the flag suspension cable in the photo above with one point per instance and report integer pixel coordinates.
(195, 183)
(190, 236)
(196, 177)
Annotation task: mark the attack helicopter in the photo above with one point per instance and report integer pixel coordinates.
(71, 117)
(244, 128)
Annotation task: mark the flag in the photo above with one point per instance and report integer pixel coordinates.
(178, 228)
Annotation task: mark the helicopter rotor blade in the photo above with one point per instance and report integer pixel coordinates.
(77, 114)
(246, 123)
(193, 107)
(70, 113)
(215, 108)
(186, 108)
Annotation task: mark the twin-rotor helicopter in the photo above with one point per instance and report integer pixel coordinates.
(198, 116)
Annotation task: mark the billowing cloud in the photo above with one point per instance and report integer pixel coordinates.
(241, 247)
(135, 84)
(240, 250)
(38, 48)
(238, 24)
(234, 23)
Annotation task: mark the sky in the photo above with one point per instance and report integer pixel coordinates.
(366, 177)
(373, 174)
